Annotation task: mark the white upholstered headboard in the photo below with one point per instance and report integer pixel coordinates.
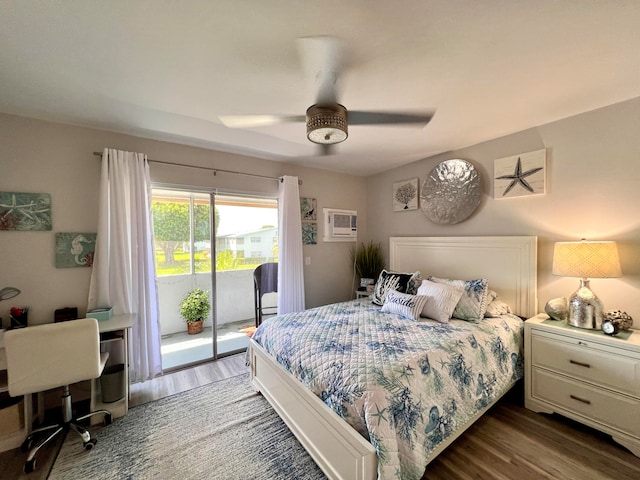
(508, 263)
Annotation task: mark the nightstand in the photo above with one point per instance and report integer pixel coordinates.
(362, 293)
(585, 375)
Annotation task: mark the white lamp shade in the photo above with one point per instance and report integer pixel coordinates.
(586, 259)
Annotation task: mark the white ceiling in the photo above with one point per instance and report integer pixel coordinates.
(168, 69)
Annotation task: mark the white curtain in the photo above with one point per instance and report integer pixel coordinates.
(123, 274)
(290, 262)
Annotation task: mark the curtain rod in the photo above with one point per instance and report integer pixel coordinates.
(211, 169)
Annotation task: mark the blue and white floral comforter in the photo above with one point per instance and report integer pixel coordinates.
(404, 385)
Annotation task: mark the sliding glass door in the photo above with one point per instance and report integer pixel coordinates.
(244, 234)
(182, 237)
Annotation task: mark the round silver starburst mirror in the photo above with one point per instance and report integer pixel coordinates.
(451, 192)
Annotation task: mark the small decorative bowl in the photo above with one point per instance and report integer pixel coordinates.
(557, 308)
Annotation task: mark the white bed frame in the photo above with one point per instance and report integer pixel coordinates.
(509, 263)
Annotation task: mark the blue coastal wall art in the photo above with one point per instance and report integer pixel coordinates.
(75, 249)
(25, 211)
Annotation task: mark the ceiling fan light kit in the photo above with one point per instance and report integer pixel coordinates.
(327, 124)
(327, 121)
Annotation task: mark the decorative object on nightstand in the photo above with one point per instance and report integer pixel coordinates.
(616, 321)
(557, 308)
(586, 260)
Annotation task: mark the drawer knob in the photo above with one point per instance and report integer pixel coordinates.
(581, 364)
(588, 402)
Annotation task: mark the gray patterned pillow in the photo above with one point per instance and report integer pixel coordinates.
(401, 282)
(473, 303)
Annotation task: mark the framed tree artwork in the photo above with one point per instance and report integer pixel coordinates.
(405, 195)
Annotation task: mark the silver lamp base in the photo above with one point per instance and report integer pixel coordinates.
(585, 309)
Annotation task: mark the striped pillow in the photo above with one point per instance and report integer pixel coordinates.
(403, 304)
(442, 300)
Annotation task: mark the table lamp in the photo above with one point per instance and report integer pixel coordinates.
(586, 260)
(5, 294)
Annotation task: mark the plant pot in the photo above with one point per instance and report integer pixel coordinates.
(194, 327)
(365, 282)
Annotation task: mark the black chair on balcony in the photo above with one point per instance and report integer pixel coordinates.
(265, 280)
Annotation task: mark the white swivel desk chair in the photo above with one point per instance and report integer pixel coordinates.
(49, 356)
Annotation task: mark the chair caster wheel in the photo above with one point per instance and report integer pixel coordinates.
(29, 466)
(26, 445)
(107, 419)
(90, 444)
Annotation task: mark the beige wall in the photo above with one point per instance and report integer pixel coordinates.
(593, 191)
(44, 157)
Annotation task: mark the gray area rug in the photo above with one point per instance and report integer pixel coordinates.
(224, 430)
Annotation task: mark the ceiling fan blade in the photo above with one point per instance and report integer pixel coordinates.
(248, 121)
(386, 118)
(322, 61)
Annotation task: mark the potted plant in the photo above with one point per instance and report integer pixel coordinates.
(194, 309)
(369, 262)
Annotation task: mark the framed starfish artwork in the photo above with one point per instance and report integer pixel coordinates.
(25, 211)
(520, 175)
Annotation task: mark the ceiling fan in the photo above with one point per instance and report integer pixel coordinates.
(327, 120)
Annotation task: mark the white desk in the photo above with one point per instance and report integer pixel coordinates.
(13, 439)
(114, 335)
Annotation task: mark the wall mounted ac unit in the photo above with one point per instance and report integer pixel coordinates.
(340, 225)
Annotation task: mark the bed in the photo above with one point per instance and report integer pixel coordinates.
(431, 396)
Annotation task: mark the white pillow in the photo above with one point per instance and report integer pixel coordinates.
(442, 301)
(497, 308)
(408, 306)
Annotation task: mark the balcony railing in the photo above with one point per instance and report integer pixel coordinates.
(233, 299)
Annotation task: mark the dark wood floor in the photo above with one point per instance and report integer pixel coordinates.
(509, 442)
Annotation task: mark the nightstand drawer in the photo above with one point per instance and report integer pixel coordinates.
(587, 363)
(617, 411)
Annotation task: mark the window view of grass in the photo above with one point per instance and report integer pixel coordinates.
(182, 265)
(182, 233)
